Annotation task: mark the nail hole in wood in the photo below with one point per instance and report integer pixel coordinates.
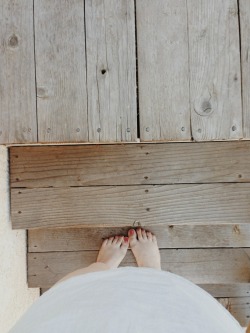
(240, 176)
(146, 191)
(103, 71)
(148, 209)
(145, 177)
(234, 128)
(17, 179)
(19, 212)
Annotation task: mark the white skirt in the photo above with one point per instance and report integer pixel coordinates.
(127, 299)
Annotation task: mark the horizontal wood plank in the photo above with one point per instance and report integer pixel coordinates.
(169, 163)
(239, 308)
(168, 236)
(201, 266)
(126, 205)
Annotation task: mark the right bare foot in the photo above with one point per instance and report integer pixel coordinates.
(144, 247)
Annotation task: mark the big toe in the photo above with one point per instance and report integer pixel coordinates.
(132, 237)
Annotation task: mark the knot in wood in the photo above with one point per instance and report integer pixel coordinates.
(13, 41)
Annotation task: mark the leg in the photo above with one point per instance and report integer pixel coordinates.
(111, 253)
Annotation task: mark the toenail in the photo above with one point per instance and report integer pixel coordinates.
(131, 232)
(126, 239)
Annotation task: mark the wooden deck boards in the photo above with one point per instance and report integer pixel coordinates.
(100, 71)
(193, 196)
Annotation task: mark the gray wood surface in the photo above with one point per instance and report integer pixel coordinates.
(111, 70)
(61, 70)
(198, 265)
(227, 290)
(17, 75)
(124, 205)
(168, 236)
(162, 44)
(238, 307)
(170, 163)
(215, 77)
(244, 7)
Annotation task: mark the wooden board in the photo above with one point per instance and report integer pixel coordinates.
(125, 205)
(162, 44)
(239, 308)
(167, 163)
(17, 76)
(214, 67)
(61, 70)
(244, 7)
(168, 236)
(111, 70)
(198, 265)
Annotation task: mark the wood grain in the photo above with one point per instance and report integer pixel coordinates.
(215, 77)
(168, 236)
(124, 205)
(162, 44)
(17, 76)
(61, 70)
(198, 265)
(167, 163)
(244, 7)
(111, 70)
(238, 307)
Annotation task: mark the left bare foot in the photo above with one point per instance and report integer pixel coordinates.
(113, 250)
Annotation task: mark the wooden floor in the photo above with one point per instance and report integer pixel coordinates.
(118, 71)
(194, 196)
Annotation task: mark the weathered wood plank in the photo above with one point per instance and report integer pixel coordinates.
(245, 63)
(215, 78)
(17, 76)
(130, 164)
(227, 290)
(238, 307)
(61, 71)
(198, 265)
(111, 70)
(168, 236)
(217, 290)
(123, 205)
(163, 70)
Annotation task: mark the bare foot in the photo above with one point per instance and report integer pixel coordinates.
(113, 250)
(144, 247)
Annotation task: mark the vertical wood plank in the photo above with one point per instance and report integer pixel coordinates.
(61, 70)
(245, 64)
(215, 78)
(111, 70)
(17, 76)
(163, 70)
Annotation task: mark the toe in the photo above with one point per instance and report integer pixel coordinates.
(105, 242)
(132, 237)
(144, 234)
(149, 235)
(110, 240)
(116, 238)
(119, 240)
(154, 239)
(139, 233)
(125, 243)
